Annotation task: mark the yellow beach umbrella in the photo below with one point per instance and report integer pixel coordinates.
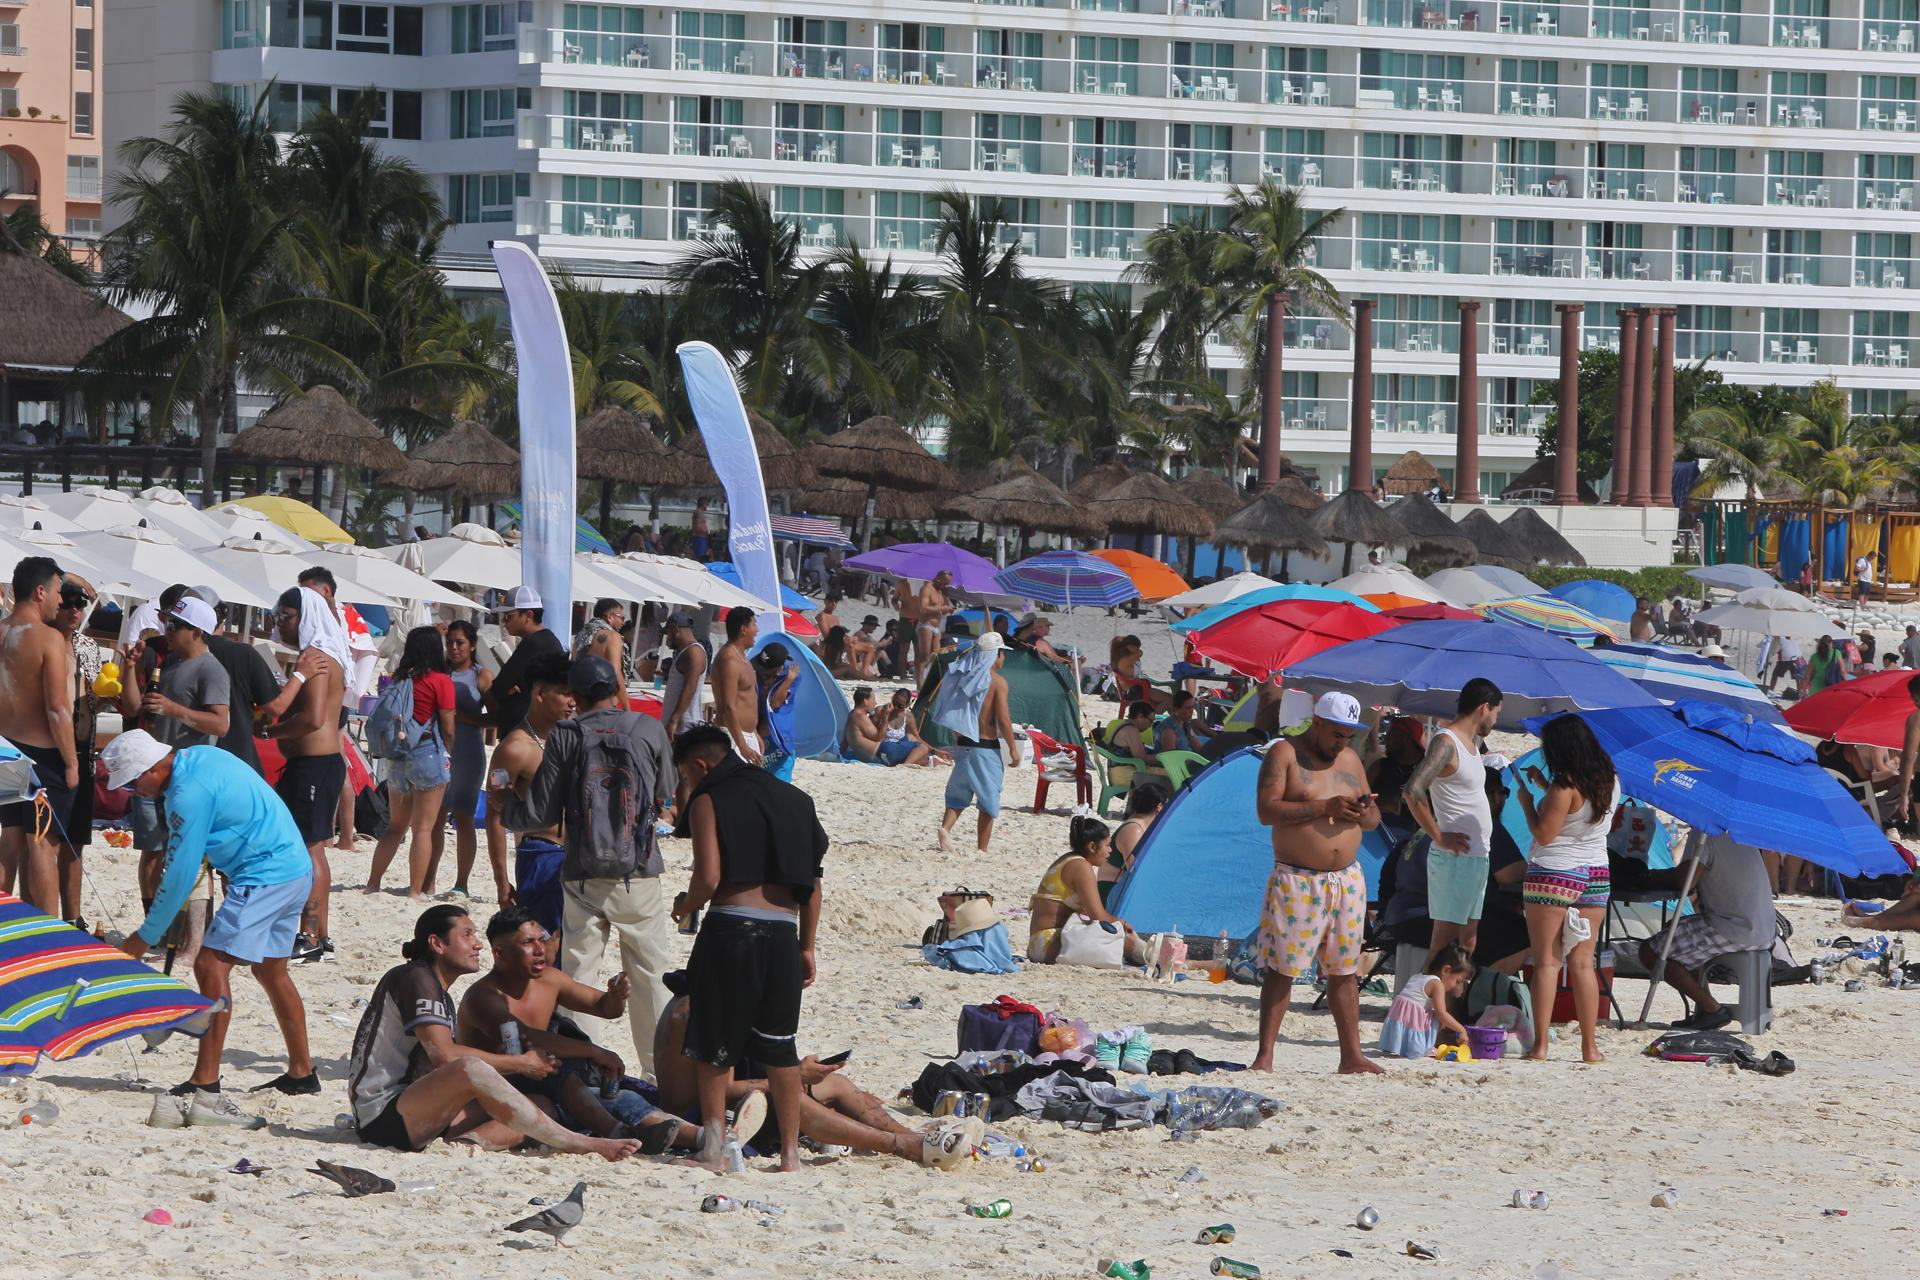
(293, 515)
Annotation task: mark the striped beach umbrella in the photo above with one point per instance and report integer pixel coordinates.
(1067, 578)
(1549, 614)
(1670, 674)
(1268, 595)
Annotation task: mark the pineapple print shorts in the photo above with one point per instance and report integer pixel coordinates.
(1312, 915)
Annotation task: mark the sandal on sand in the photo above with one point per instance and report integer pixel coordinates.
(656, 1138)
(288, 1083)
(746, 1119)
(947, 1146)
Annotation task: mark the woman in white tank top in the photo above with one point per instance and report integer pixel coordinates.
(1567, 870)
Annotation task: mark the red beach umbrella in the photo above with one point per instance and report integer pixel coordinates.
(1267, 638)
(1870, 711)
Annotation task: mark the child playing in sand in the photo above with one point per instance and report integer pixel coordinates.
(1420, 1009)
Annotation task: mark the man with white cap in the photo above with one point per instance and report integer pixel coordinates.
(223, 812)
(1313, 792)
(524, 619)
(972, 704)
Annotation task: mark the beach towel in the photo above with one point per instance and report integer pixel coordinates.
(1001, 1087)
(963, 692)
(1086, 1105)
(983, 951)
(321, 628)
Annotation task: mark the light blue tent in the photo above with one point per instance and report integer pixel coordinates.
(1203, 865)
(820, 709)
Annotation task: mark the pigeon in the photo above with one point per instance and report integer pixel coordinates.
(556, 1219)
(353, 1182)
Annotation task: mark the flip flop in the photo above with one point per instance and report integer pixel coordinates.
(745, 1120)
(657, 1137)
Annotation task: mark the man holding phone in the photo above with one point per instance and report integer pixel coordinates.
(1447, 796)
(1313, 792)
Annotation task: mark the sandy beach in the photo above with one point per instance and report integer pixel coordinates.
(1438, 1148)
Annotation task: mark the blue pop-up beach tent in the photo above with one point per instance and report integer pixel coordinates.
(1203, 865)
(819, 709)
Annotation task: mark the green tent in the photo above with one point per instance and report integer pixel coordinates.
(1040, 693)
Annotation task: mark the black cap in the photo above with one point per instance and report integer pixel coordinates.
(774, 655)
(593, 678)
(680, 618)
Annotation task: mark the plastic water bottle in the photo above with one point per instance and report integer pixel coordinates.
(42, 1112)
(732, 1158)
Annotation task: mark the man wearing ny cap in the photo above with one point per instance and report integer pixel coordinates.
(524, 619)
(1313, 792)
(221, 811)
(626, 905)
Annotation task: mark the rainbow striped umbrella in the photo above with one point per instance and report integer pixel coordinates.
(64, 993)
(1550, 614)
(1066, 578)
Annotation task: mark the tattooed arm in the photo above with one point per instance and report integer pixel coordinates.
(1417, 797)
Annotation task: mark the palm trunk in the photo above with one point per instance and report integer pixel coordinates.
(228, 421)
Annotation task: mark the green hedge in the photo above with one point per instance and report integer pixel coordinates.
(1657, 583)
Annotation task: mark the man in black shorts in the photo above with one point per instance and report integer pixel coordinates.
(36, 716)
(757, 851)
(309, 737)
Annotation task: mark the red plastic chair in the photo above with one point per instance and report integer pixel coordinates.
(1048, 756)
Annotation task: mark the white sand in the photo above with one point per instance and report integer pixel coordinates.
(1437, 1147)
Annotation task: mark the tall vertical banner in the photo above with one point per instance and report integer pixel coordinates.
(545, 364)
(730, 448)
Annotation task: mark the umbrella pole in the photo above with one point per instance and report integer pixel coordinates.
(1694, 840)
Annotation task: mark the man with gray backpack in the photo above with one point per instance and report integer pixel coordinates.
(608, 773)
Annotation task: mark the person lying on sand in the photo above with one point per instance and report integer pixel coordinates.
(1903, 914)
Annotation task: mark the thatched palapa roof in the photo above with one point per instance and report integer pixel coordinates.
(46, 320)
(1430, 534)
(1026, 497)
(1298, 493)
(319, 429)
(469, 460)
(1412, 473)
(839, 496)
(1100, 479)
(781, 466)
(880, 451)
(1210, 489)
(1540, 476)
(1356, 519)
(1269, 523)
(1543, 542)
(1496, 545)
(614, 444)
(1145, 503)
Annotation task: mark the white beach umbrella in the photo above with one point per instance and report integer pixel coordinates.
(1218, 592)
(93, 507)
(245, 522)
(1733, 577)
(17, 544)
(270, 569)
(1379, 579)
(469, 553)
(23, 512)
(593, 582)
(1464, 590)
(635, 580)
(373, 570)
(1509, 582)
(151, 560)
(169, 509)
(695, 585)
(1773, 611)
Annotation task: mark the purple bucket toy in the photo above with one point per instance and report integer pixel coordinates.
(1486, 1042)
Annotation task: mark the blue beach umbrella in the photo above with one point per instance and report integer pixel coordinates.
(1293, 591)
(1421, 666)
(1723, 773)
(1067, 578)
(1598, 597)
(724, 570)
(1670, 674)
(585, 536)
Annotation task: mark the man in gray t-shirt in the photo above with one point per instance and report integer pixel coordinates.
(1910, 648)
(190, 709)
(1734, 912)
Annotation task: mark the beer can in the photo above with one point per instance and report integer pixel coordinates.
(951, 1102)
(1222, 1234)
(497, 779)
(510, 1038)
(609, 1085)
(974, 1104)
(690, 923)
(1229, 1267)
(999, 1209)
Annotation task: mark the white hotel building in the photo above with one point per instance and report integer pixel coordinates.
(1754, 170)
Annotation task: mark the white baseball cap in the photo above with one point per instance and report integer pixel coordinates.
(524, 597)
(195, 612)
(1338, 708)
(991, 641)
(130, 755)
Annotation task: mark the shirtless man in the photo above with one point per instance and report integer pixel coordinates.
(536, 862)
(1313, 793)
(356, 679)
(527, 989)
(863, 735)
(977, 767)
(930, 619)
(36, 715)
(309, 737)
(736, 693)
(828, 616)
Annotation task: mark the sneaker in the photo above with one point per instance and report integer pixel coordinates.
(326, 948)
(306, 950)
(213, 1110)
(1106, 1054)
(1705, 1021)
(1133, 1058)
(169, 1112)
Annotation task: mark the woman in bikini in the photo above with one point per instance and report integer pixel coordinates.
(1070, 888)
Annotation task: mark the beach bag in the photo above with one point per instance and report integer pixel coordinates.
(611, 818)
(987, 950)
(372, 812)
(392, 732)
(110, 804)
(943, 929)
(1094, 944)
(1005, 1024)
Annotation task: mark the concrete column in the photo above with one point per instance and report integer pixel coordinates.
(1566, 466)
(1641, 462)
(1623, 408)
(1661, 491)
(1466, 424)
(1360, 430)
(1272, 409)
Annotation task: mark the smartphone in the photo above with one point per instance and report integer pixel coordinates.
(837, 1058)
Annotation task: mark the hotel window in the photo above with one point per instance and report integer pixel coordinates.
(485, 197)
(489, 113)
(83, 113)
(1703, 333)
(83, 177)
(83, 49)
(488, 28)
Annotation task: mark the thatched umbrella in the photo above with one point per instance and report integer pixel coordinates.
(839, 496)
(1028, 498)
(612, 445)
(1430, 534)
(1411, 474)
(320, 429)
(1353, 517)
(781, 466)
(881, 452)
(1268, 524)
(1145, 503)
(1496, 545)
(1210, 489)
(1100, 479)
(1538, 478)
(1298, 493)
(469, 459)
(1544, 543)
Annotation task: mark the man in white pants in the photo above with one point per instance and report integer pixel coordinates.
(610, 889)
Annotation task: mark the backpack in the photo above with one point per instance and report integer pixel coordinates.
(610, 820)
(392, 732)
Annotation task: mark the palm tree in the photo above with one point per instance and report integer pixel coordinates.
(205, 246)
(362, 198)
(1735, 447)
(604, 370)
(884, 319)
(31, 232)
(1271, 242)
(1188, 296)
